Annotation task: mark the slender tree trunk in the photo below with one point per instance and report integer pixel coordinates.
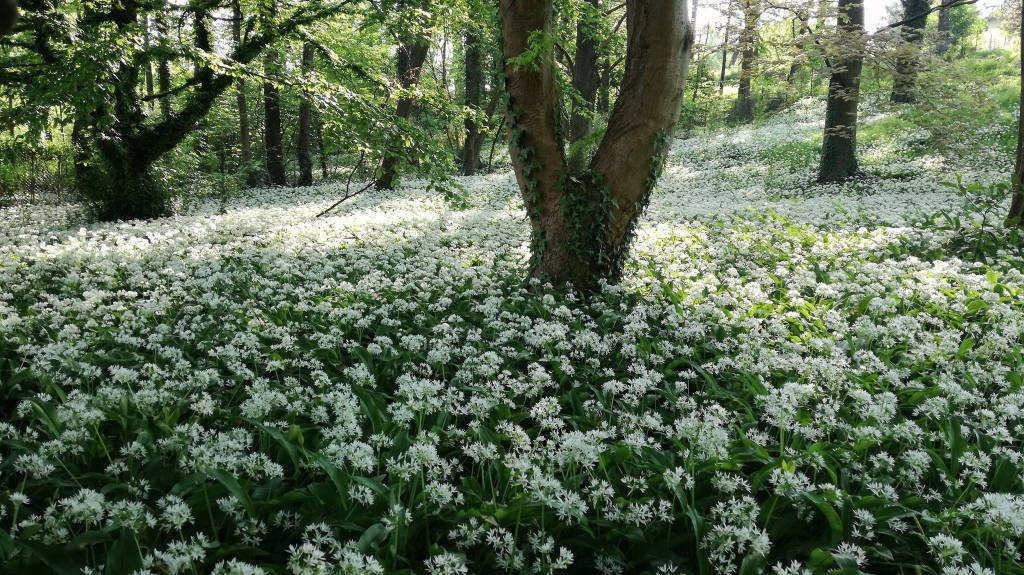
(839, 146)
(915, 12)
(585, 81)
(582, 225)
(743, 110)
(725, 49)
(1016, 216)
(605, 87)
(272, 136)
(306, 124)
(321, 148)
(411, 57)
(244, 138)
(474, 83)
(945, 38)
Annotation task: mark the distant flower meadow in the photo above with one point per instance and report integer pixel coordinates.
(789, 380)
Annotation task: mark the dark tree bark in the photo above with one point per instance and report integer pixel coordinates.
(585, 81)
(604, 88)
(945, 38)
(582, 225)
(272, 136)
(474, 85)
(244, 137)
(743, 110)
(8, 16)
(410, 60)
(306, 124)
(915, 12)
(839, 146)
(1016, 216)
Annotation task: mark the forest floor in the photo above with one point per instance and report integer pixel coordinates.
(789, 376)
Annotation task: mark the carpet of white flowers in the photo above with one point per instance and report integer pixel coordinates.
(788, 380)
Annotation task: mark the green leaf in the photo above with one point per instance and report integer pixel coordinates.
(234, 488)
(372, 538)
(125, 556)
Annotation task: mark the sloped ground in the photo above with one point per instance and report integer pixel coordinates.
(790, 378)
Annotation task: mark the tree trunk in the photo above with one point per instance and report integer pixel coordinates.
(725, 49)
(306, 123)
(915, 13)
(605, 87)
(410, 64)
(8, 16)
(1016, 217)
(945, 38)
(474, 83)
(585, 82)
(272, 136)
(743, 110)
(244, 138)
(322, 149)
(839, 146)
(582, 225)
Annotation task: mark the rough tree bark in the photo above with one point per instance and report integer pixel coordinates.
(743, 110)
(474, 84)
(410, 58)
(839, 145)
(585, 81)
(915, 12)
(1016, 216)
(582, 225)
(305, 146)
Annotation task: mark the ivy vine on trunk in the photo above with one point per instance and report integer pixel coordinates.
(582, 224)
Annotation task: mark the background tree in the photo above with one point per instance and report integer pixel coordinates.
(839, 145)
(1016, 216)
(8, 16)
(743, 110)
(915, 17)
(414, 37)
(582, 224)
(305, 147)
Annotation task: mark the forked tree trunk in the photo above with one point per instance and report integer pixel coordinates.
(915, 12)
(839, 146)
(410, 64)
(305, 151)
(582, 225)
(743, 109)
(474, 85)
(1016, 217)
(585, 81)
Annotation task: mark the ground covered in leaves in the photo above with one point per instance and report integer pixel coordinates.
(790, 379)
